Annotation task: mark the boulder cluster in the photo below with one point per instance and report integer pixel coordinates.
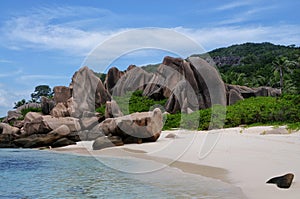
(187, 84)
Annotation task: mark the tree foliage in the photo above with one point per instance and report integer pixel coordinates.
(259, 64)
(39, 91)
(20, 103)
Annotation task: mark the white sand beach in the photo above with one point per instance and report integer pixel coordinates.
(241, 157)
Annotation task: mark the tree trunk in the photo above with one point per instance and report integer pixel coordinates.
(281, 77)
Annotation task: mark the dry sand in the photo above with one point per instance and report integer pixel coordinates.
(240, 156)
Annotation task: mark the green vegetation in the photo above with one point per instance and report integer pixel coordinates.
(151, 68)
(41, 90)
(133, 102)
(101, 110)
(101, 76)
(27, 110)
(20, 103)
(262, 64)
(251, 111)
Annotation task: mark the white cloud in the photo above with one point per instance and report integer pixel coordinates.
(223, 36)
(5, 61)
(39, 29)
(11, 73)
(37, 77)
(246, 16)
(8, 97)
(232, 5)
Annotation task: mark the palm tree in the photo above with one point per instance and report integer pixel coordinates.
(282, 64)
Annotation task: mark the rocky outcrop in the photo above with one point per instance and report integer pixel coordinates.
(88, 92)
(112, 109)
(43, 124)
(134, 79)
(284, 181)
(112, 77)
(276, 131)
(105, 142)
(191, 84)
(47, 105)
(9, 130)
(62, 142)
(40, 140)
(236, 92)
(14, 115)
(6, 140)
(134, 128)
(60, 110)
(62, 94)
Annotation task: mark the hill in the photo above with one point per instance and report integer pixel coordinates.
(258, 64)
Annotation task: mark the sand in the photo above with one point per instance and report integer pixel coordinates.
(239, 156)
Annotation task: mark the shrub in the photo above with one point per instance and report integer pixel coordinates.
(101, 110)
(251, 111)
(27, 110)
(133, 102)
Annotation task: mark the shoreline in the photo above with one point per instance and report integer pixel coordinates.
(242, 157)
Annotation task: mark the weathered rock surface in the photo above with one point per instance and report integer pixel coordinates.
(134, 79)
(6, 141)
(88, 92)
(276, 131)
(189, 85)
(236, 92)
(89, 122)
(101, 143)
(28, 105)
(7, 129)
(134, 128)
(40, 124)
(62, 142)
(47, 105)
(112, 77)
(60, 110)
(112, 109)
(105, 142)
(14, 115)
(284, 181)
(62, 94)
(40, 140)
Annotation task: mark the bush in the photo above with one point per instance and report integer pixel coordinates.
(251, 111)
(133, 102)
(27, 110)
(264, 110)
(101, 110)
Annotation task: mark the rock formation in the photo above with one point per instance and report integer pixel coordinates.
(284, 181)
(188, 84)
(112, 77)
(236, 92)
(134, 79)
(88, 92)
(134, 128)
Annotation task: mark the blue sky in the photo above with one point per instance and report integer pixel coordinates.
(46, 41)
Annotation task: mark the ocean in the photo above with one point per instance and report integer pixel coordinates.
(39, 174)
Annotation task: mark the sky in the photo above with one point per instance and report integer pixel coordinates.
(46, 41)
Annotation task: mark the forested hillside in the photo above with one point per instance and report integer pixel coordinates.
(259, 64)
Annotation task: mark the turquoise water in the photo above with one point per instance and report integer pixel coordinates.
(31, 174)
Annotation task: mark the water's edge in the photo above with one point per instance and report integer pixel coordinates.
(48, 174)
